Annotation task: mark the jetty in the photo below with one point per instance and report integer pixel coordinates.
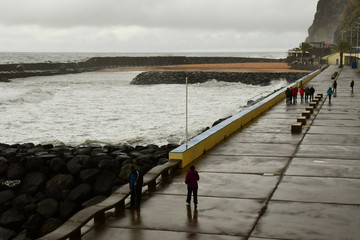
(293, 172)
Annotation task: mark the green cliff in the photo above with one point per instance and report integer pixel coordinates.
(349, 26)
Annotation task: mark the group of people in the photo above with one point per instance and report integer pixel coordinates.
(332, 90)
(136, 182)
(291, 94)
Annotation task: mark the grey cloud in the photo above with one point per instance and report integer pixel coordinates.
(242, 15)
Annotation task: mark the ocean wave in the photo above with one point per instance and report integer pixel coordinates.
(32, 96)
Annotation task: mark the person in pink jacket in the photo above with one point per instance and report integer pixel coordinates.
(191, 179)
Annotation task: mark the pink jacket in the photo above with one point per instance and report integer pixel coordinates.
(191, 179)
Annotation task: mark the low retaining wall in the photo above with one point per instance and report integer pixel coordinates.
(178, 77)
(210, 138)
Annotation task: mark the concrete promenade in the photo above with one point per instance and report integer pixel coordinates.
(264, 183)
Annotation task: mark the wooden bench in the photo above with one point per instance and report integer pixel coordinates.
(334, 75)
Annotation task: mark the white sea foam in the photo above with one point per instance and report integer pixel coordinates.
(103, 107)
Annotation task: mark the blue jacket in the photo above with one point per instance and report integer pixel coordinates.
(329, 91)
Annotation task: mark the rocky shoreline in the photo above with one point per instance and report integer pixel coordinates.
(42, 186)
(178, 77)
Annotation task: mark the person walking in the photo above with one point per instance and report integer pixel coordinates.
(191, 179)
(352, 86)
(334, 86)
(307, 94)
(329, 93)
(302, 94)
(288, 95)
(312, 92)
(135, 185)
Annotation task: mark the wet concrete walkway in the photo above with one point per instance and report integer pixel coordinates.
(264, 183)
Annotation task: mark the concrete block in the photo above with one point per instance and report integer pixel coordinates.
(301, 119)
(319, 95)
(310, 109)
(306, 114)
(313, 104)
(296, 127)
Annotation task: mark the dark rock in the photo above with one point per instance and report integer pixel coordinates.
(57, 165)
(110, 164)
(67, 209)
(30, 209)
(56, 185)
(6, 234)
(9, 152)
(125, 172)
(162, 161)
(3, 165)
(160, 154)
(93, 201)
(33, 182)
(34, 163)
(36, 150)
(33, 226)
(6, 196)
(104, 183)
(135, 154)
(16, 171)
(80, 193)
(48, 207)
(74, 165)
(12, 218)
(89, 175)
(22, 236)
(22, 200)
(49, 225)
(122, 157)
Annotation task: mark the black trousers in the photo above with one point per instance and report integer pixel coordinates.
(193, 192)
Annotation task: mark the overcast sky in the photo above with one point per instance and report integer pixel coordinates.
(154, 25)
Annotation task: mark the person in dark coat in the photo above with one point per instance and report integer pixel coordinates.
(135, 185)
(352, 86)
(312, 91)
(191, 179)
(334, 86)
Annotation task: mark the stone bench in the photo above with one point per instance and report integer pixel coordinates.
(310, 109)
(296, 127)
(71, 229)
(306, 114)
(313, 104)
(301, 119)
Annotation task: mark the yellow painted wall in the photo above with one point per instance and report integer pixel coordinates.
(334, 59)
(196, 150)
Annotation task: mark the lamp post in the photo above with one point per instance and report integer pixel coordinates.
(186, 110)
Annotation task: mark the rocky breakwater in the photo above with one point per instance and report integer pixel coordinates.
(178, 77)
(42, 186)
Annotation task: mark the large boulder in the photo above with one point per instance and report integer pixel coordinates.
(50, 225)
(57, 165)
(12, 218)
(6, 234)
(104, 183)
(89, 175)
(80, 193)
(67, 209)
(3, 165)
(57, 184)
(16, 171)
(48, 207)
(33, 182)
